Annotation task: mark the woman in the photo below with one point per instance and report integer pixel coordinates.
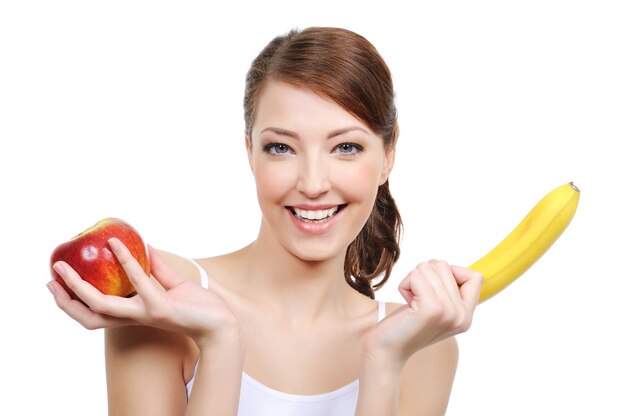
(293, 311)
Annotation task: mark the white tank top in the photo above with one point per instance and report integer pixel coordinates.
(256, 399)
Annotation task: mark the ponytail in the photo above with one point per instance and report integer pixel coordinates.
(377, 247)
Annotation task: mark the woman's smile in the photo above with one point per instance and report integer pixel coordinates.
(313, 220)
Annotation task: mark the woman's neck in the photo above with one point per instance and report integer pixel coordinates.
(303, 290)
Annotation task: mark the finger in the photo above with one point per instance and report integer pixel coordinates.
(149, 292)
(161, 271)
(405, 290)
(417, 288)
(93, 298)
(470, 283)
(81, 313)
(437, 273)
(83, 289)
(447, 279)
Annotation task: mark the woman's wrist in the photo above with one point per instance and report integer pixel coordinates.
(223, 357)
(376, 354)
(385, 366)
(229, 339)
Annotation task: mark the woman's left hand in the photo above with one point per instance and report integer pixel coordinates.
(440, 303)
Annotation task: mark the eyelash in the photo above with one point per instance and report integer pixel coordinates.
(270, 148)
(357, 148)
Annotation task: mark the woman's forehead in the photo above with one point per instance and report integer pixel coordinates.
(291, 107)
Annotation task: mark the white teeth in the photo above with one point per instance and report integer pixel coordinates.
(315, 215)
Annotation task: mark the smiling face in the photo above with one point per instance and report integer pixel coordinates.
(317, 170)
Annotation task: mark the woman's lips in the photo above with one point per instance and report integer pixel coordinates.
(315, 227)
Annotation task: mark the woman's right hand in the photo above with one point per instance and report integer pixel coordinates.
(176, 305)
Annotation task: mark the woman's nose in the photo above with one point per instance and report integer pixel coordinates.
(313, 177)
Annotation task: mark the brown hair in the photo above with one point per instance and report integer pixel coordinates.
(344, 67)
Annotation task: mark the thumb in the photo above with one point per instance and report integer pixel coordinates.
(405, 290)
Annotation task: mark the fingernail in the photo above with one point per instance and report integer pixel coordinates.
(115, 245)
(51, 288)
(58, 267)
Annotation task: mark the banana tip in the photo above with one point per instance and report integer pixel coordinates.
(574, 187)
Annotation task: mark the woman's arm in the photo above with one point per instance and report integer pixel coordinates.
(427, 380)
(379, 386)
(149, 338)
(145, 370)
(148, 368)
(217, 381)
(415, 340)
(421, 388)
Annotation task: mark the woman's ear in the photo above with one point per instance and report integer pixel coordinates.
(390, 156)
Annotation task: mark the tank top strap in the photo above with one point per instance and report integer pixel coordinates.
(204, 278)
(381, 310)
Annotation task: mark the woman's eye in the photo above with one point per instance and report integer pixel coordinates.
(276, 148)
(349, 148)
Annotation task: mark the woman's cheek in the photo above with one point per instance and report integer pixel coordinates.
(360, 180)
(273, 181)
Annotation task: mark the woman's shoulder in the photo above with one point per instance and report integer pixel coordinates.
(158, 360)
(428, 378)
(391, 307)
(191, 269)
(183, 266)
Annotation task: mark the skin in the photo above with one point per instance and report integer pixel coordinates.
(280, 304)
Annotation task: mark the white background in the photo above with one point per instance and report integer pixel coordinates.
(133, 109)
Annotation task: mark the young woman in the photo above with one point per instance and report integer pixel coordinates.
(288, 325)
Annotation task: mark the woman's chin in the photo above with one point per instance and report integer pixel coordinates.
(317, 254)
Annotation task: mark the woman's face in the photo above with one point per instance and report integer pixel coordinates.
(317, 170)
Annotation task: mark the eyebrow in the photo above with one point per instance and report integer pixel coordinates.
(334, 133)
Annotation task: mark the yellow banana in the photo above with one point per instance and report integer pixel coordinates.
(541, 227)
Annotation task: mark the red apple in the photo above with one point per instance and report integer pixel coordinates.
(90, 255)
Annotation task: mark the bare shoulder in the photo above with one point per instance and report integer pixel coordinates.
(181, 265)
(159, 361)
(428, 377)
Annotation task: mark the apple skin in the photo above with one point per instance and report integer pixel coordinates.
(90, 255)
